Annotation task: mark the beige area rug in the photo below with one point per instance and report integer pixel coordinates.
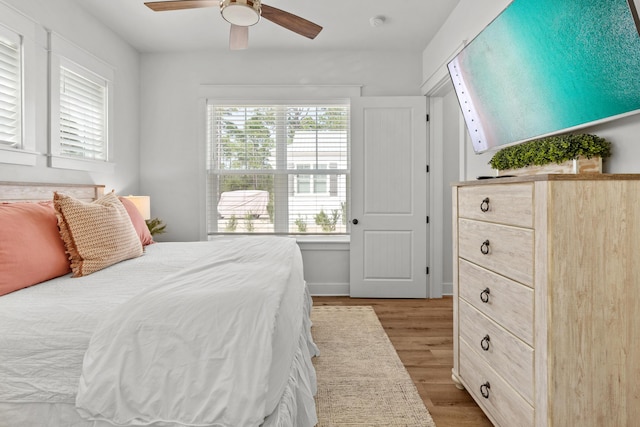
(361, 380)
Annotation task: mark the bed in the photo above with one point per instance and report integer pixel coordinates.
(187, 334)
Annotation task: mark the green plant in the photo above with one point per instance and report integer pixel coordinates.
(248, 218)
(301, 224)
(343, 208)
(232, 224)
(156, 226)
(553, 149)
(326, 222)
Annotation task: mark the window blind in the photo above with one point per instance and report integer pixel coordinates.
(83, 107)
(10, 90)
(278, 168)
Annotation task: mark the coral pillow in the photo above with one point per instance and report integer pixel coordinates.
(97, 234)
(31, 250)
(138, 222)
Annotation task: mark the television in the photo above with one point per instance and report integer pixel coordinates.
(544, 67)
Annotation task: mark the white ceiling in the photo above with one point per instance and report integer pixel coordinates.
(409, 25)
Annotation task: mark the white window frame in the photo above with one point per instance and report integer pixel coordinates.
(16, 26)
(12, 44)
(283, 172)
(267, 94)
(62, 53)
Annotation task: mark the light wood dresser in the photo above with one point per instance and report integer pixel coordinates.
(547, 299)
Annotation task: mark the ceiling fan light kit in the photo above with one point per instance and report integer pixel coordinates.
(243, 13)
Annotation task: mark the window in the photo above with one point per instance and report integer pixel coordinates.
(81, 100)
(277, 168)
(82, 116)
(320, 181)
(303, 181)
(18, 88)
(10, 90)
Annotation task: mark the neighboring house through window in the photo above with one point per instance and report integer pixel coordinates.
(278, 168)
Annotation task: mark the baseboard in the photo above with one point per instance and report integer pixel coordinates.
(342, 289)
(328, 289)
(447, 288)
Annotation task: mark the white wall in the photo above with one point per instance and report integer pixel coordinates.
(464, 23)
(451, 156)
(172, 162)
(83, 30)
(172, 127)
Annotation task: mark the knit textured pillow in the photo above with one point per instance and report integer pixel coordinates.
(97, 234)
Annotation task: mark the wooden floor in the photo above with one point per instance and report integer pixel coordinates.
(422, 333)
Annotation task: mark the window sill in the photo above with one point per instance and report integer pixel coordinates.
(324, 243)
(18, 157)
(316, 238)
(313, 242)
(81, 164)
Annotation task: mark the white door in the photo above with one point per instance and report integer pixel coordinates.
(389, 197)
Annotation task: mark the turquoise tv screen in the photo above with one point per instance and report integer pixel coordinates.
(544, 67)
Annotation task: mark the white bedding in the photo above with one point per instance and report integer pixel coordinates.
(45, 331)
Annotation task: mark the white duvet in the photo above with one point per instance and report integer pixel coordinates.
(197, 349)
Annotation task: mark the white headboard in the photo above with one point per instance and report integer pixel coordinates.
(34, 192)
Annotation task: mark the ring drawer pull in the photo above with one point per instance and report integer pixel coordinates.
(485, 247)
(484, 206)
(485, 342)
(484, 390)
(484, 295)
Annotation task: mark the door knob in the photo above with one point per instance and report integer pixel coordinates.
(354, 221)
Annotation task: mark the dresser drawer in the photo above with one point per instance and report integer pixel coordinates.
(510, 204)
(510, 357)
(503, 249)
(507, 302)
(502, 403)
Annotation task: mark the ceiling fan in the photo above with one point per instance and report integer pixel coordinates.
(242, 14)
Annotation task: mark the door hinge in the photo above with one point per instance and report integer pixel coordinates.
(427, 168)
(427, 219)
(427, 270)
(427, 117)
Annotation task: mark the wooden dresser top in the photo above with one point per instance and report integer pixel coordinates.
(553, 177)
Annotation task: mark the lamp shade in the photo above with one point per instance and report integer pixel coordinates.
(143, 204)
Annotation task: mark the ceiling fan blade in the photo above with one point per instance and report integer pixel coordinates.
(161, 6)
(291, 21)
(238, 37)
